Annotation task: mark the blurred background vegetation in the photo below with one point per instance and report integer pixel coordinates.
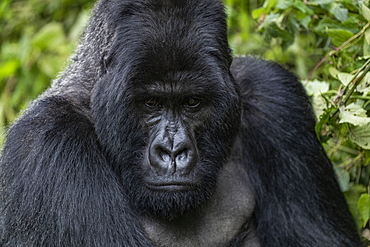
(325, 42)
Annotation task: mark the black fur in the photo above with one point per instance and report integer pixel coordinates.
(74, 166)
(298, 199)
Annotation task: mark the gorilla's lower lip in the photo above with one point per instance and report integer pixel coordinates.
(170, 186)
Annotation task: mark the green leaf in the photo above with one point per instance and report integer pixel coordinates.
(323, 119)
(270, 4)
(352, 197)
(8, 68)
(334, 72)
(284, 4)
(51, 65)
(365, 12)
(319, 104)
(305, 21)
(343, 179)
(366, 49)
(50, 36)
(79, 26)
(274, 31)
(325, 24)
(302, 7)
(367, 36)
(360, 135)
(316, 87)
(271, 18)
(4, 5)
(364, 208)
(292, 26)
(339, 36)
(339, 12)
(257, 13)
(364, 86)
(354, 114)
(323, 2)
(345, 78)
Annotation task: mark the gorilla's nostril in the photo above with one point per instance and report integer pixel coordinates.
(164, 154)
(182, 155)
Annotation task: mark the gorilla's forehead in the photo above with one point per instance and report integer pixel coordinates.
(180, 84)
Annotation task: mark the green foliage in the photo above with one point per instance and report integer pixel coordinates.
(326, 42)
(364, 207)
(36, 38)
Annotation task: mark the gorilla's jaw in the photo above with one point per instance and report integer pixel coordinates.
(170, 204)
(171, 200)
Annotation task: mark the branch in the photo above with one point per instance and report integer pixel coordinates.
(339, 48)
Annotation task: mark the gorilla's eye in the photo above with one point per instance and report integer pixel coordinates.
(152, 102)
(193, 102)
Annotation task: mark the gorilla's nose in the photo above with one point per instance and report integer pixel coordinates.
(172, 153)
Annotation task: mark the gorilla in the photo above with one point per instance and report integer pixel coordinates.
(155, 136)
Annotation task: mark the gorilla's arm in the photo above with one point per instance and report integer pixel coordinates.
(59, 188)
(298, 199)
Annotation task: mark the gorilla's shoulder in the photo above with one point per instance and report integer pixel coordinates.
(264, 77)
(252, 68)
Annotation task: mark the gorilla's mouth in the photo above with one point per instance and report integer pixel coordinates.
(171, 186)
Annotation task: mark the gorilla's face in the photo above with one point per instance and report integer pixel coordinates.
(189, 122)
(167, 128)
(167, 135)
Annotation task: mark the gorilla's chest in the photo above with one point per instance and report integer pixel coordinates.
(218, 222)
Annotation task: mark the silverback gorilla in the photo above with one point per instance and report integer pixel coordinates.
(154, 136)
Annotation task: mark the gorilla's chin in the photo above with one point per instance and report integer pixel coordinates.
(171, 201)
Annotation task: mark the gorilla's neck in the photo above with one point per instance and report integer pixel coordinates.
(226, 216)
